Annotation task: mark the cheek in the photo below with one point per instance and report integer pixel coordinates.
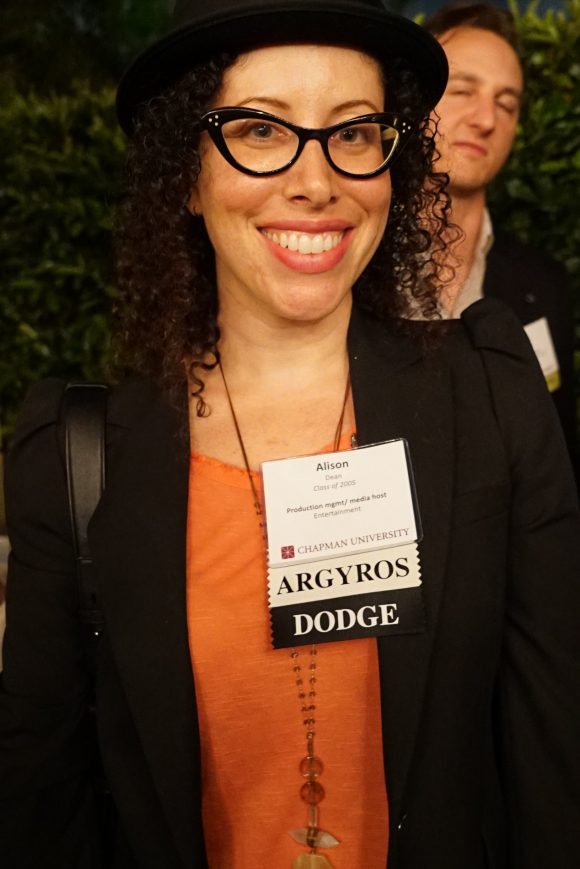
(222, 196)
(503, 145)
(374, 195)
(382, 199)
(375, 199)
(233, 191)
(509, 134)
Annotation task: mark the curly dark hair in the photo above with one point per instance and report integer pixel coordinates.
(167, 308)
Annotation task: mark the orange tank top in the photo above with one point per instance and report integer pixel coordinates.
(252, 736)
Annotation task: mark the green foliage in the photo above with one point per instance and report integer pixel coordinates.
(60, 160)
(46, 45)
(536, 196)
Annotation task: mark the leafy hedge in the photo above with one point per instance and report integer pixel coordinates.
(536, 195)
(60, 159)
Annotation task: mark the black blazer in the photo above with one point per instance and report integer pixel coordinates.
(534, 286)
(480, 712)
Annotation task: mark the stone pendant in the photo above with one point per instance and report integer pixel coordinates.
(314, 838)
(311, 861)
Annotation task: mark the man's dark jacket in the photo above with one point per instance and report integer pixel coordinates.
(534, 286)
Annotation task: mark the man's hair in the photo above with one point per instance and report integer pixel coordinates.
(482, 16)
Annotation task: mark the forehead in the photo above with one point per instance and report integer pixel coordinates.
(298, 71)
(482, 56)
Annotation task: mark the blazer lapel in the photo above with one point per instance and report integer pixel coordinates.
(138, 540)
(399, 393)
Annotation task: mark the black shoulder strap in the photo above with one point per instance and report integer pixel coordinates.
(85, 410)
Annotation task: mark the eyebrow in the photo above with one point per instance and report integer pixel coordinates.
(283, 106)
(473, 79)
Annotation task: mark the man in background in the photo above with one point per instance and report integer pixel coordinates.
(477, 121)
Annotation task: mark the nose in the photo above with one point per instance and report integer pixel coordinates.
(311, 179)
(484, 115)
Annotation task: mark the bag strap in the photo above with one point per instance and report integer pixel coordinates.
(85, 410)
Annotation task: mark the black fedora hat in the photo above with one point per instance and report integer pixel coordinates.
(202, 28)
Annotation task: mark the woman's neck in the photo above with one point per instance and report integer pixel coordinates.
(266, 351)
(287, 384)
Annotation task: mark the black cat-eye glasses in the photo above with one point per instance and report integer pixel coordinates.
(258, 143)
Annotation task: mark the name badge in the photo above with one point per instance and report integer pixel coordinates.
(541, 340)
(342, 532)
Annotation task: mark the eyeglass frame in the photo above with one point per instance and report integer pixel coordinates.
(213, 121)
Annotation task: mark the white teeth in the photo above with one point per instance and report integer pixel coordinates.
(317, 244)
(305, 243)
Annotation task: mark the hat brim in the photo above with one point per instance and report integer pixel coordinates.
(379, 33)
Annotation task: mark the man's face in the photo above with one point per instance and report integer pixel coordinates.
(479, 110)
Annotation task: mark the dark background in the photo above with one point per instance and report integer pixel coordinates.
(49, 43)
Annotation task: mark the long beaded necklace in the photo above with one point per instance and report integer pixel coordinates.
(311, 767)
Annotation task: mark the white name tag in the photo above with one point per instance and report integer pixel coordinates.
(541, 340)
(342, 533)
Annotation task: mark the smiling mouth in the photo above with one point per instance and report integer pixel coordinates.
(305, 242)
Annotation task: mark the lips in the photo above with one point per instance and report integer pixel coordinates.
(472, 147)
(307, 246)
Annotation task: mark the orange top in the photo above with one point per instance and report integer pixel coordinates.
(252, 736)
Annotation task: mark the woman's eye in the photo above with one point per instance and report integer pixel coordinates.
(264, 132)
(250, 130)
(261, 131)
(361, 135)
(350, 135)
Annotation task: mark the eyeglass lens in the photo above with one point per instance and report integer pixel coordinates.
(265, 146)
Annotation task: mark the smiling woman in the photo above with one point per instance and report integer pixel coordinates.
(361, 673)
(154, 221)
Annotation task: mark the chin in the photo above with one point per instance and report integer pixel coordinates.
(308, 307)
(469, 179)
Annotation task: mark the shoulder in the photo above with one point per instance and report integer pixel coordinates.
(485, 352)
(487, 324)
(493, 331)
(489, 349)
(524, 411)
(43, 406)
(536, 287)
(35, 477)
(491, 325)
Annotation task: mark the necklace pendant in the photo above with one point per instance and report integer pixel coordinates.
(311, 861)
(314, 838)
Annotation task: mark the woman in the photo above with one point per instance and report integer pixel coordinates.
(259, 276)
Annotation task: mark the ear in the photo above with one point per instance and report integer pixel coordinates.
(193, 204)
